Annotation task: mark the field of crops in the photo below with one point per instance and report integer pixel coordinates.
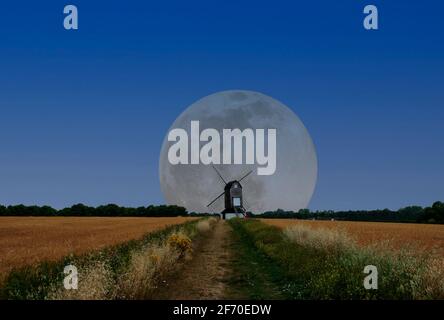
(427, 237)
(29, 240)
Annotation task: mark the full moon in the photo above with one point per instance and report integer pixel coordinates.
(291, 187)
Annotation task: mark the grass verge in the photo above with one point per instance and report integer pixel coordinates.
(254, 274)
(302, 263)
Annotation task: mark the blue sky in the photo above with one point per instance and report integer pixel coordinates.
(83, 113)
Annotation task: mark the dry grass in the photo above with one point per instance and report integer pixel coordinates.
(29, 240)
(332, 240)
(426, 271)
(147, 266)
(433, 280)
(94, 284)
(206, 225)
(420, 237)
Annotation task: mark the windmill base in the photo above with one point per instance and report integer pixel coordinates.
(231, 215)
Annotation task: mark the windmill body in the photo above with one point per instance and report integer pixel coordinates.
(234, 206)
(233, 199)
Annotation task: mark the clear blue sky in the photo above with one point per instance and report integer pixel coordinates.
(83, 113)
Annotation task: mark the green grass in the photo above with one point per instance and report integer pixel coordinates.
(254, 276)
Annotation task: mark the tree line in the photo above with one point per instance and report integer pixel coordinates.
(433, 214)
(81, 210)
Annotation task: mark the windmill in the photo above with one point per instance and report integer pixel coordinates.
(234, 203)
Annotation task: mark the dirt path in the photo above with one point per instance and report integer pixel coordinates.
(205, 276)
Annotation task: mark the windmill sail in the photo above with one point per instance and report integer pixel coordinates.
(216, 199)
(218, 173)
(246, 175)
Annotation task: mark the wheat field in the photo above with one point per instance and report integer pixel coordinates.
(420, 237)
(29, 240)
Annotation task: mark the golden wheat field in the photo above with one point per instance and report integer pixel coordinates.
(28, 240)
(422, 237)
